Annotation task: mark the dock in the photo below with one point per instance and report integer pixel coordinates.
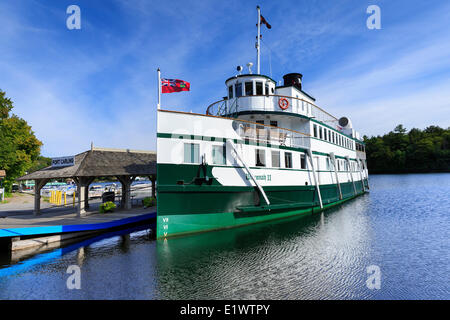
(27, 231)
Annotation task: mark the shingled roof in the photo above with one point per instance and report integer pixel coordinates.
(101, 162)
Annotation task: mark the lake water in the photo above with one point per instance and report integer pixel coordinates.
(400, 228)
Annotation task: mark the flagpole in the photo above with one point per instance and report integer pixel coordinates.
(159, 89)
(258, 43)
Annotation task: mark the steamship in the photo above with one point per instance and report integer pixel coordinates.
(264, 152)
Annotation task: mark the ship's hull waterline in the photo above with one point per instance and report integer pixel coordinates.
(189, 209)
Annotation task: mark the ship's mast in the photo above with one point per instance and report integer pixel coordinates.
(258, 41)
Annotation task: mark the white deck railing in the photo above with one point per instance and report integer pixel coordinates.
(264, 135)
(230, 107)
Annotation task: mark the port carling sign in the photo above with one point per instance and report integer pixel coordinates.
(63, 161)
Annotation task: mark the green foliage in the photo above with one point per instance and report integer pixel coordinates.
(108, 206)
(40, 163)
(19, 147)
(149, 202)
(5, 105)
(400, 151)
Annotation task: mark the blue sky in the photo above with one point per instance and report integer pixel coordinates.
(99, 83)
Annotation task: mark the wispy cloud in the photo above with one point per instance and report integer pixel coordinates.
(99, 83)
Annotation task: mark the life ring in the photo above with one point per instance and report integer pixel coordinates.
(283, 103)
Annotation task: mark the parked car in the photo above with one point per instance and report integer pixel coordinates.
(96, 191)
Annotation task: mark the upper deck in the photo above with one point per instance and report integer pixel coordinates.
(255, 93)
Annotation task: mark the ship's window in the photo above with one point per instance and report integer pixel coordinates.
(274, 123)
(303, 105)
(249, 88)
(288, 159)
(320, 133)
(315, 130)
(191, 153)
(260, 158)
(260, 130)
(275, 158)
(266, 87)
(273, 90)
(230, 92)
(259, 87)
(238, 88)
(219, 155)
(339, 165)
(325, 134)
(302, 161)
(328, 164)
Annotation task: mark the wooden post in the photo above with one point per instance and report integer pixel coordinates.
(153, 180)
(82, 192)
(126, 182)
(38, 184)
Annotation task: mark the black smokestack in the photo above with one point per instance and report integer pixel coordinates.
(293, 79)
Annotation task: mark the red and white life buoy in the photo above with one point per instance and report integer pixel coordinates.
(283, 103)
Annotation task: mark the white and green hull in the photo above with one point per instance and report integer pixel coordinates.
(210, 194)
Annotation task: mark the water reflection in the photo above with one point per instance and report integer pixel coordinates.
(308, 257)
(401, 226)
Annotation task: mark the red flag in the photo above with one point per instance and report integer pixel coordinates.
(174, 85)
(265, 22)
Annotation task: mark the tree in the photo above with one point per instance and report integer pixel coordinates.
(5, 106)
(19, 147)
(40, 163)
(415, 151)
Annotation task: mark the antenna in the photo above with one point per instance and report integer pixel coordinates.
(250, 65)
(258, 41)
